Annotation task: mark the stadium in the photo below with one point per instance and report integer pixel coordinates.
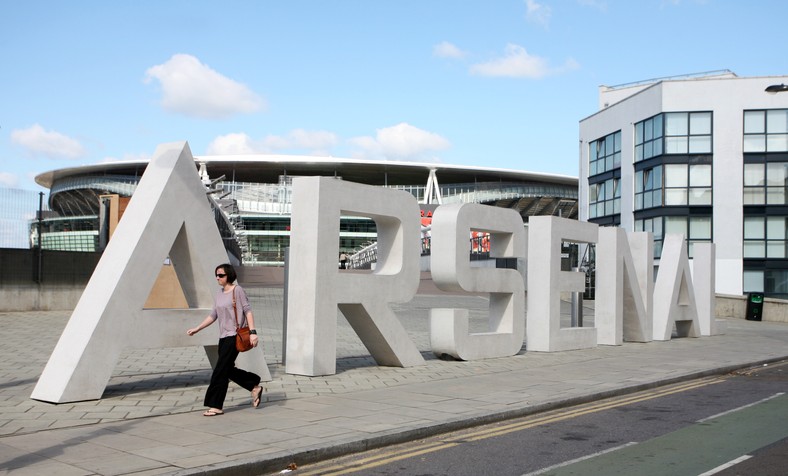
(251, 194)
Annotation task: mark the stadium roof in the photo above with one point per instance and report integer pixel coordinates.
(268, 169)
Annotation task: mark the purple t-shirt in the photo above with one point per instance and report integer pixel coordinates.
(223, 310)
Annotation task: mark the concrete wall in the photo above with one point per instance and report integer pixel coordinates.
(166, 294)
(735, 307)
(34, 297)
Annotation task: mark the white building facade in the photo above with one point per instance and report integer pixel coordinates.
(703, 155)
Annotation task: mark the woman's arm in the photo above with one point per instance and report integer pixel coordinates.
(205, 323)
(250, 322)
(247, 309)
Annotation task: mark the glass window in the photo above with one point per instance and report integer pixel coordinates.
(754, 196)
(676, 124)
(753, 228)
(699, 196)
(675, 197)
(775, 249)
(775, 196)
(593, 192)
(700, 175)
(777, 142)
(700, 123)
(765, 237)
(766, 131)
(694, 229)
(688, 132)
(775, 174)
(766, 183)
(775, 228)
(700, 228)
(648, 138)
(676, 175)
(777, 121)
(604, 198)
(776, 282)
(657, 177)
(699, 145)
(754, 249)
(753, 281)
(646, 183)
(605, 154)
(676, 225)
(754, 175)
(755, 143)
(657, 124)
(754, 122)
(676, 145)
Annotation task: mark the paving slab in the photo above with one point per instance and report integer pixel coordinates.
(149, 418)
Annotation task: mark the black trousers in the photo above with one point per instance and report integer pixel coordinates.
(225, 371)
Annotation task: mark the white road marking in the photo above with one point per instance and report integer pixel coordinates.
(582, 458)
(726, 465)
(740, 408)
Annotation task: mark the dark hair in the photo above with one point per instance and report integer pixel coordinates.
(229, 271)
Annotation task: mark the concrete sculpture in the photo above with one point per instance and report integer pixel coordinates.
(703, 272)
(624, 286)
(317, 289)
(546, 281)
(169, 215)
(674, 294)
(451, 271)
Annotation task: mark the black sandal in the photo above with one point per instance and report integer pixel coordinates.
(256, 396)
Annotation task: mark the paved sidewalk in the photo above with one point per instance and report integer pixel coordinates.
(149, 422)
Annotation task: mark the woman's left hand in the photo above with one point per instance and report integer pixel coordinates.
(253, 339)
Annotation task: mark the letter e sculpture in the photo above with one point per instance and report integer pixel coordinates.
(546, 281)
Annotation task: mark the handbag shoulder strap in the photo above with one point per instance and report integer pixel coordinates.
(235, 310)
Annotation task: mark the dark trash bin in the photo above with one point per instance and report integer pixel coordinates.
(754, 306)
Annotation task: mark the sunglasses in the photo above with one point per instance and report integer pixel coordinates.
(218, 275)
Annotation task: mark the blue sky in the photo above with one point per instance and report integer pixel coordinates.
(498, 83)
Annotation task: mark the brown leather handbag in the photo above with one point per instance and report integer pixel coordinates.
(243, 339)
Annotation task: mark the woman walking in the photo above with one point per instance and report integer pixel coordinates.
(230, 299)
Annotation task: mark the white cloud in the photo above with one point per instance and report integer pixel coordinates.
(445, 49)
(194, 89)
(314, 142)
(9, 180)
(517, 63)
(236, 143)
(50, 144)
(402, 142)
(537, 13)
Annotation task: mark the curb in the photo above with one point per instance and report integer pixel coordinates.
(256, 466)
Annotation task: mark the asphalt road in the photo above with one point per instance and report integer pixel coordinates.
(727, 425)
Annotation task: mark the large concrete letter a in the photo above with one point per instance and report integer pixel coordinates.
(316, 288)
(169, 215)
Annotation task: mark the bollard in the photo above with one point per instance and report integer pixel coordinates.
(284, 307)
(577, 307)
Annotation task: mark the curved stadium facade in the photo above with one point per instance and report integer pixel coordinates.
(251, 194)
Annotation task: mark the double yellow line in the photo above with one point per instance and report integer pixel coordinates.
(522, 424)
